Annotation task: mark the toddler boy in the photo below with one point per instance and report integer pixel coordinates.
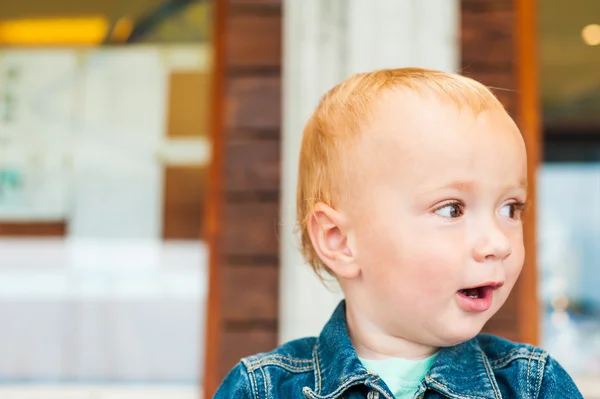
(411, 189)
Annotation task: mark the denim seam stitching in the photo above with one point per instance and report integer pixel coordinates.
(249, 371)
(492, 380)
(516, 353)
(291, 359)
(267, 359)
(253, 384)
(453, 392)
(528, 379)
(317, 371)
(263, 375)
(386, 395)
(540, 374)
(498, 365)
(347, 382)
(290, 367)
(284, 366)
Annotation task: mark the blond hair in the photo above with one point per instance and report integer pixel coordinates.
(342, 115)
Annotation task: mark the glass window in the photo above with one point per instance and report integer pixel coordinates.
(104, 153)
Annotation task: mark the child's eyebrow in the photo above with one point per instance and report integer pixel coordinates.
(453, 185)
(459, 185)
(470, 186)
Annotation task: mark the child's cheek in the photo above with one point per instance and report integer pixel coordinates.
(435, 272)
(514, 263)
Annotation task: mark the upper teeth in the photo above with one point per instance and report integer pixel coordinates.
(471, 293)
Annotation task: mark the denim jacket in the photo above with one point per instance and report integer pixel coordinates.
(328, 367)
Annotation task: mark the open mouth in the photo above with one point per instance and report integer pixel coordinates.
(478, 298)
(479, 291)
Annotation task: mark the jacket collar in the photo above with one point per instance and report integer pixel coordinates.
(337, 367)
(463, 371)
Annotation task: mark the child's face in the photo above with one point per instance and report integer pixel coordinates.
(436, 210)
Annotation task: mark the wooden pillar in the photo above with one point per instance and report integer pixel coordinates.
(498, 48)
(243, 203)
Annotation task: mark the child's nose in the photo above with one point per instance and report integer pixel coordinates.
(492, 244)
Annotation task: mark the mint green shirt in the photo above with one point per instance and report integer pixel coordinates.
(402, 376)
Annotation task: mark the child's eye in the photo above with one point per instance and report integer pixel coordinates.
(452, 210)
(513, 210)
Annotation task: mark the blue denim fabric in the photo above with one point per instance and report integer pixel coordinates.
(328, 367)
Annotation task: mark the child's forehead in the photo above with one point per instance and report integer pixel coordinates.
(434, 140)
(404, 123)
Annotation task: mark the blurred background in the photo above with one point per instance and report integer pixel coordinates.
(104, 149)
(148, 154)
(568, 200)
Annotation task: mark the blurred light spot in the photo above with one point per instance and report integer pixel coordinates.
(53, 32)
(560, 303)
(591, 34)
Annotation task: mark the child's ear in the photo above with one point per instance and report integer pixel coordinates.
(328, 232)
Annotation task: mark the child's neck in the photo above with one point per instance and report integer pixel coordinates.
(372, 342)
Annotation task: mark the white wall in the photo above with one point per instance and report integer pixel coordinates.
(324, 42)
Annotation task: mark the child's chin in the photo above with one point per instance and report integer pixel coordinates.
(457, 336)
